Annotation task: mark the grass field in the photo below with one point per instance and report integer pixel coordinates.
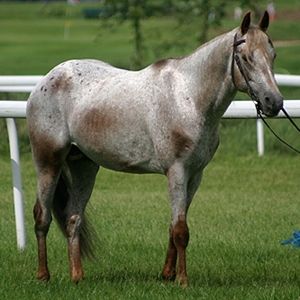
(245, 207)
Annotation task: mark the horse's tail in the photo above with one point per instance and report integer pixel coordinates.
(61, 197)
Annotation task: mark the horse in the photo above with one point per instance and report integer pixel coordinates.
(162, 119)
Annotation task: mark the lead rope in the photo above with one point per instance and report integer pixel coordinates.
(236, 58)
(290, 119)
(259, 115)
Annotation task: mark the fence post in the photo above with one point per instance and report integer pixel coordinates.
(17, 183)
(260, 137)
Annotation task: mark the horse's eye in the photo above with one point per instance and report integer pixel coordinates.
(244, 57)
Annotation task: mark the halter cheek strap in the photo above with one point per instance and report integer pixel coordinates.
(236, 59)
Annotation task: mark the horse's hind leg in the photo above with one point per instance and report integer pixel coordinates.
(83, 172)
(48, 171)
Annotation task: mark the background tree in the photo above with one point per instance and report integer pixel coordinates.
(192, 16)
(134, 11)
(207, 13)
(203, 14)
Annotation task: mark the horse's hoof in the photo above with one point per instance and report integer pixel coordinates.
(43, 276)
(182, 281)
(168, 276)
(77, 277)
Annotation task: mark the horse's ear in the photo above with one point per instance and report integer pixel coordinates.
(264, 22)
(246, 23)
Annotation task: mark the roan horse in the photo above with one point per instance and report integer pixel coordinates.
(163, 119)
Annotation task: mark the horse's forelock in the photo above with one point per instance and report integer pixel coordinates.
(257, 38)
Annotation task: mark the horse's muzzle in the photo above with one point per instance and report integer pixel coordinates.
(271, 104)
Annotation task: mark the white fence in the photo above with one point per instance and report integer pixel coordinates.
(17, 109)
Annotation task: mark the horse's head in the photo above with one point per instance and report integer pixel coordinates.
(252, 65)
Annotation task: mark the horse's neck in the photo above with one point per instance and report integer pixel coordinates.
(212, 74)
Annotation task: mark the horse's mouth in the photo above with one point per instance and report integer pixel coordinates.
(268, 110)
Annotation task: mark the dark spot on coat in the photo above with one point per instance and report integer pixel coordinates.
(160, 64)
(182, 143)
(62, 82)
(98, 120)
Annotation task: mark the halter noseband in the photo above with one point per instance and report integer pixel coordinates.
(236, 58)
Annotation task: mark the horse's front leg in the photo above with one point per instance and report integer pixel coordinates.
(178, 242)
(181, 190)
(169, 270)
(181, 238)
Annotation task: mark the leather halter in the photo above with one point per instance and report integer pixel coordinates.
(236, 59)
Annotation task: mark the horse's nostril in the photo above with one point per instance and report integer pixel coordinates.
(273, 104)
(268, 102)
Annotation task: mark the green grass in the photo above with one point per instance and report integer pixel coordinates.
(244, 208)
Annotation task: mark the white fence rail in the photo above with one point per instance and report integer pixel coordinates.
(18, 84)
(17, 109)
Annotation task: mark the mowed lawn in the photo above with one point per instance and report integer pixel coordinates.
(244, 208)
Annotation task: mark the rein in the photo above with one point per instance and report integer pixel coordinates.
(259, 114)
(236, 59)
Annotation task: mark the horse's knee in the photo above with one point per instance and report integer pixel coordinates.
(181, 234)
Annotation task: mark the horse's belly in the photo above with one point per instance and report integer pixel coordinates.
(126, 149)
(123, 160)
